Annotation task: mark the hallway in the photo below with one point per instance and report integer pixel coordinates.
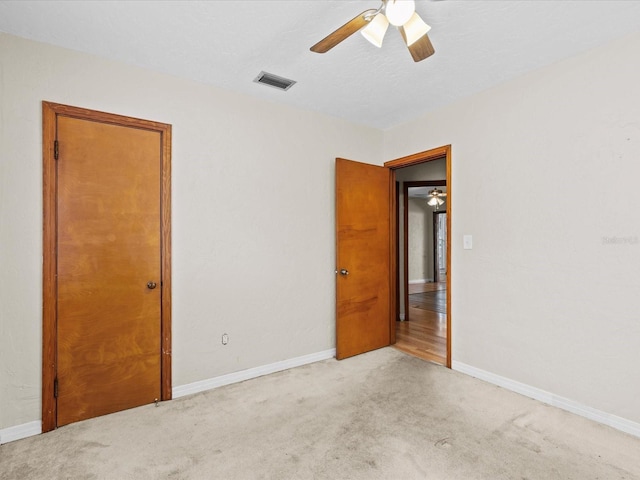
(425, 334)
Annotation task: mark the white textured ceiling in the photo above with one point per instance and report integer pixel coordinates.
(423, 192)
(479, 43)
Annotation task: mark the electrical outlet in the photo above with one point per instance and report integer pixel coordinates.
(225, 338)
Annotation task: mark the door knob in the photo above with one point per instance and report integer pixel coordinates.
(344, 272)
(151, 285)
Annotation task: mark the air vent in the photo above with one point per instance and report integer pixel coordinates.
(275, 81)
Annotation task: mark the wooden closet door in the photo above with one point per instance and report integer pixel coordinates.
(108, 268)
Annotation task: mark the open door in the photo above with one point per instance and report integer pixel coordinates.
(362, 258)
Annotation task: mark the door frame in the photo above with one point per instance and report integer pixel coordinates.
(50, 113)
(392, 165)
(405, 231)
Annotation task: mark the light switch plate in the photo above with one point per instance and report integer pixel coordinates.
(467, 242)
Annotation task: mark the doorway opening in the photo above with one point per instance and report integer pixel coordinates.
(421, 325)
(422, 314)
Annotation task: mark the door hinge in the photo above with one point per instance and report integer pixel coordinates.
(55, 149)
(55, 388)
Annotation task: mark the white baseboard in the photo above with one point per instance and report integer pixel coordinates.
(420, 280)
(599, 416)
(241, 376)
(35, 428)
(20, 431)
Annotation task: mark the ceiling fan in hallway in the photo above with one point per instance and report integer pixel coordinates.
(436, 198)
(374, 24)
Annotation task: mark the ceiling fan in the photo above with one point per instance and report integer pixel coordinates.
(374, 23)
(435, 197)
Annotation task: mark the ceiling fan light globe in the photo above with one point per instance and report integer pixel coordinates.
(414, 29)
(398, 12)
(374, 32)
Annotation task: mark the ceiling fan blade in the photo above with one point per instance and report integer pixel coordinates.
(421, 49)
(342, 33)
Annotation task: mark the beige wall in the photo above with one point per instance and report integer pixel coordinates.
(545, 297)
(253, 215)
(420, 240)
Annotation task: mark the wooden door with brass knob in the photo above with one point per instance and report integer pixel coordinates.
(363, 258)
(110, 226)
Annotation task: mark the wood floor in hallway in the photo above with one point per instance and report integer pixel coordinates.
(425, 334)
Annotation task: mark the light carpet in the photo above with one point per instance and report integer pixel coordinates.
(381, 415)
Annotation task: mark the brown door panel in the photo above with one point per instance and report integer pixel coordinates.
(362, 249)
(108, 248)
